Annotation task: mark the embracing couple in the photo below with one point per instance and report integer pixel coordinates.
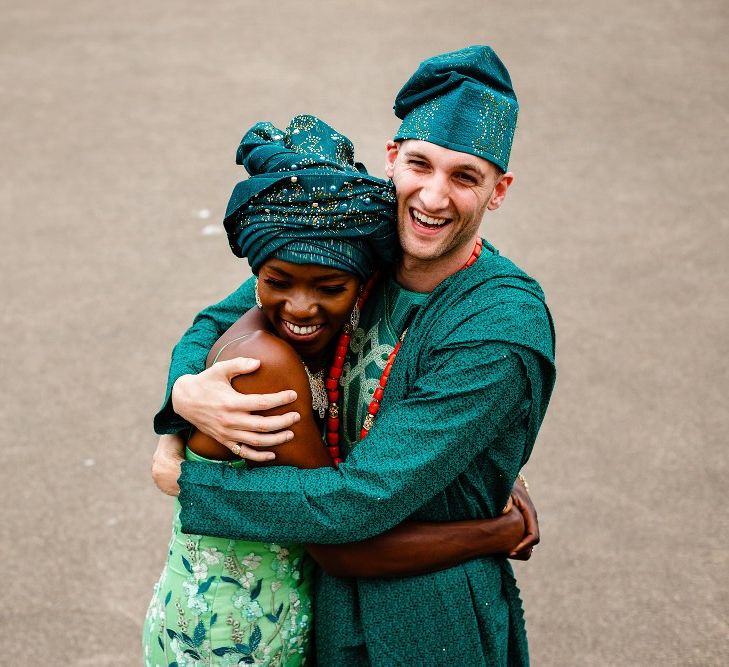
(354, 418)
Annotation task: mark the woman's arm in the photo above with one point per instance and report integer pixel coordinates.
(416, 547)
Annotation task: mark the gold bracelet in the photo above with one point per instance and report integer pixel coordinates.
(523, 481)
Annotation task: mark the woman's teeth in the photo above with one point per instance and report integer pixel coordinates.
(301, 331)
(427, 220)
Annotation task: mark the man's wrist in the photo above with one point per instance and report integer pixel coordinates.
(177, 395)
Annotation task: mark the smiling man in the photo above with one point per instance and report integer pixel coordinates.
(438, 434)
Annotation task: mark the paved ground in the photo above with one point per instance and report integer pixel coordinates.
(119, 127)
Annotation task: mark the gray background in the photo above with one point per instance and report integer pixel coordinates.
(119, 128)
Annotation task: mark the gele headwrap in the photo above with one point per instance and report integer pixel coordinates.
(463, 101)
(308, 202)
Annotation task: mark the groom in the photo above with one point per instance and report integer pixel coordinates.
(458, 419)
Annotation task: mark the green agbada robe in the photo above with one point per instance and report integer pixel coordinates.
(459, 418)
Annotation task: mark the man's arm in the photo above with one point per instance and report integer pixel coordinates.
(472, 395)
(412, 548)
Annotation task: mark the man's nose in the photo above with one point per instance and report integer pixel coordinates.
(434, 195)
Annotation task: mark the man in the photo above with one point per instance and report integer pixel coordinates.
(463, 400)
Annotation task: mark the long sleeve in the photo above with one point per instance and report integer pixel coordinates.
(190, 353)
(470, 396)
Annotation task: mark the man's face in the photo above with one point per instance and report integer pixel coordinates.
(442, 195)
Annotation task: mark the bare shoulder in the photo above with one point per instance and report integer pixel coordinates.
(281, 367)
(248, 323)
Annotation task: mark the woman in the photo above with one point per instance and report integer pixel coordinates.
(314, 226)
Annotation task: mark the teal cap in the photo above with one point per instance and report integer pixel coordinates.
(463, 101)
(308, 202)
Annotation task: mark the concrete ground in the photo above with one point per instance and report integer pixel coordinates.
(119, 128)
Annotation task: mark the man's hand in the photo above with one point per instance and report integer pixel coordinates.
(209, 402)
(166, 461)
(523, 502)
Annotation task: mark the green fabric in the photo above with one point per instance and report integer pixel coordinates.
(461, 100)
(308, 202)
(390, 310)
(477, 362)
(221, 601)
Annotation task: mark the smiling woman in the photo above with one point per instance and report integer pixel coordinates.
(313, 225)
(302, 307)
(306, 304)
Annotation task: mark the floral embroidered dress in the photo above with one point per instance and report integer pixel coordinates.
(229, 602)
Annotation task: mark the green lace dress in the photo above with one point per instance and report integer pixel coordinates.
(229, 602)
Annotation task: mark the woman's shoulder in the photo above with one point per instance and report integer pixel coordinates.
(248, 336)
(281, 367)
(272, 351)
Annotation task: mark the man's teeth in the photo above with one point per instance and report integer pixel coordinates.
(427, 220)
(302, 331)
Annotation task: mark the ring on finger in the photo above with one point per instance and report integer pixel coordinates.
(235, 449)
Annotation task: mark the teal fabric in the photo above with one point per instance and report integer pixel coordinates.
(308, 202)
(461, 100)
(478, 361)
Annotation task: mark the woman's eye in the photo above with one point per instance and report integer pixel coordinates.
(276, 284)
(332, 289)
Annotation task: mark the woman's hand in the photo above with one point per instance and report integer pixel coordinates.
(209, 402)
(166, 463)
(523, 502)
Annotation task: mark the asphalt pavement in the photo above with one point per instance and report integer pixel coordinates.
(119, 127)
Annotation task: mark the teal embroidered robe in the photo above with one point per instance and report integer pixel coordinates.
(459, 418)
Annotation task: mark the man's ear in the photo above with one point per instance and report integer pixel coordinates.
(391, 148)
(499, 193)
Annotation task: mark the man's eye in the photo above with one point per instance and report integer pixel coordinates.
(419, 164)
(466, 178)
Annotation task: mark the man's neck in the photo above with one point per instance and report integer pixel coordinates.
(424, 275)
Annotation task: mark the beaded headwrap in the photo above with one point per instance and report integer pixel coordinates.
(463, 101)
(308, 202)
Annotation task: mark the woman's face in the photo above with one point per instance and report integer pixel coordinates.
(306, 304)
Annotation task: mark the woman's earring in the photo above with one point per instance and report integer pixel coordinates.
(258, 298)
(354, 317)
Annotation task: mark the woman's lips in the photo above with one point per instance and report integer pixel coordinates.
(301, 332)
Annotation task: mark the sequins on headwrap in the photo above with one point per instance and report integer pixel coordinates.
(308, 202)
(461, 100)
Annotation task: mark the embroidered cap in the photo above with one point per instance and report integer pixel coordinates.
(461, 100)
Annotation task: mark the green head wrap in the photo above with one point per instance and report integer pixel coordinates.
(308, 202)
(463, 101)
